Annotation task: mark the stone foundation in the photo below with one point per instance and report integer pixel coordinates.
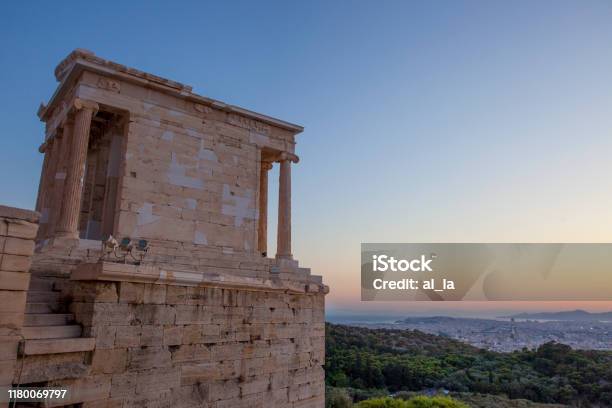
(17, 232)
(176, 344)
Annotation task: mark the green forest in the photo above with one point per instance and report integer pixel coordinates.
(365, 362)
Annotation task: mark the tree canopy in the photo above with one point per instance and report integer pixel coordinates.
(396, 360)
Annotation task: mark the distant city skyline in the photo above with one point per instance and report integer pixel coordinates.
(473, 121)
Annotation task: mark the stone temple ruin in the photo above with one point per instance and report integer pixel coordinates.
(198, 315)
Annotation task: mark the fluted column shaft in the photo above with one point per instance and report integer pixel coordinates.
(56, 198)
(42, 184)
(52, 151)
(73, 187)
(283, 238)
(262, 231)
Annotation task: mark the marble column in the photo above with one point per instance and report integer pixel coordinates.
(262, 231)
(46, 149)
(112, 182)
(67, 226)
(46, 189)
(283, 237)
(59, 176)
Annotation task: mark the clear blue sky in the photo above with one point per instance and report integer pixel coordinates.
(425, 121)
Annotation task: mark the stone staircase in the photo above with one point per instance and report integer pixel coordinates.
(47, 328)
(52, 352)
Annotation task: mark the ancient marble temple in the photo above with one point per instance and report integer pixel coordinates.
(185, 307)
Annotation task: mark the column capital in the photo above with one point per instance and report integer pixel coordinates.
(266, 165)
(284, 156)
(85, 104)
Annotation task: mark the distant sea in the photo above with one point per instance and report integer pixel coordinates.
(349, 318)
(356, 318)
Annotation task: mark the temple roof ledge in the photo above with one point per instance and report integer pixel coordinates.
(89, 60)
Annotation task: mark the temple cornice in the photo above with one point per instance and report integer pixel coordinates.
(71, 68)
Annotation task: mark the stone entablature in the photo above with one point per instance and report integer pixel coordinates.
(111, 76)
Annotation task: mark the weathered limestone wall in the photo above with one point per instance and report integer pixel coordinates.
(168, 345)
(17, 232)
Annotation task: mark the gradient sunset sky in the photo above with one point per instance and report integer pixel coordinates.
(431, 121)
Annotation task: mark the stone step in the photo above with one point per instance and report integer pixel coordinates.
(51, 332)
(53, 367)
(41, 284)
(42, 297)
(57, 346)
(47, 319)
(42, 307)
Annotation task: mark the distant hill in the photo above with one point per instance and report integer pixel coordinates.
(574, 315)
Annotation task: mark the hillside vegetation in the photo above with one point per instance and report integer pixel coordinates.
(404, 360)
